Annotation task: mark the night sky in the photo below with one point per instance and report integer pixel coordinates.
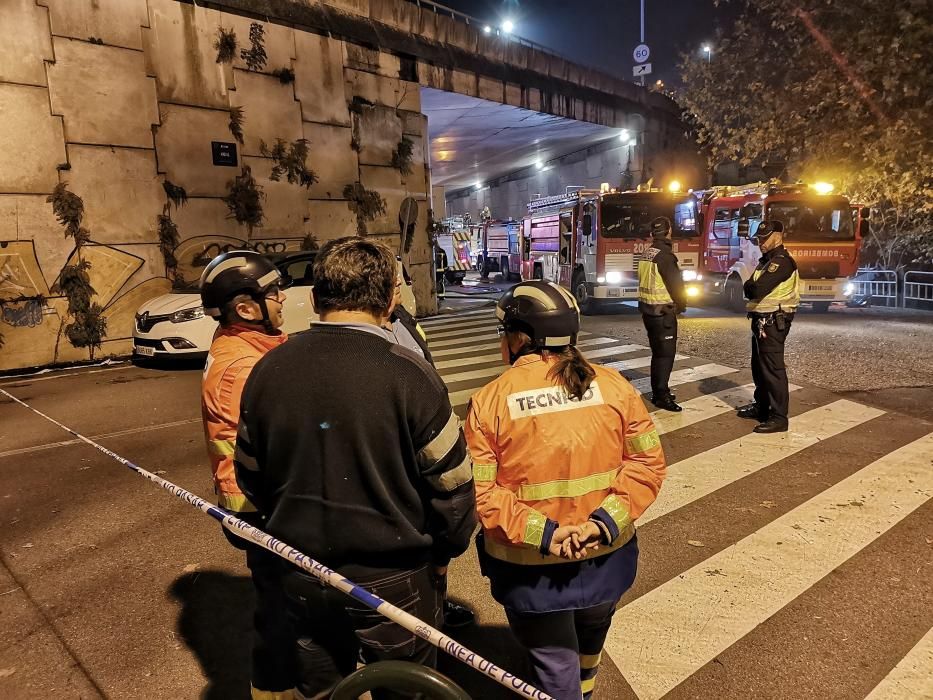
(603, 33)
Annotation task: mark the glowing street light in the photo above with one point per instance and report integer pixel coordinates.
(709, 52)
(487, 29)
(674, 186)
(508, 26)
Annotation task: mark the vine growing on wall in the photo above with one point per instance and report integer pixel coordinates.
(310, 242)
(236, 123)
(402, 156)
(366, 204)
(290, 160)
(226, 44)
(244, 200)
(88, 327)
(255, 55)
(169, 237)
(285, 75)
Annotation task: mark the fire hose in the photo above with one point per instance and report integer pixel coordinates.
(320, 571)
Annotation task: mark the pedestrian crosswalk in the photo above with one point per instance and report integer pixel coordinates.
(770, 519)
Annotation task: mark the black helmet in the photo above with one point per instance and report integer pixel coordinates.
(237, 272)
(660, 227)
(766, 228)
(547, 313)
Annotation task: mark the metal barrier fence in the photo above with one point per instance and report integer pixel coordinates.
(878, 285)
(918, 287)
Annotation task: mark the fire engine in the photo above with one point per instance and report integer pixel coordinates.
(590, 241)
(501, 248)
(820, 232)
(455, 242)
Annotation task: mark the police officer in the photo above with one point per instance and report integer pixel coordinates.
(661, 297)
(565, 459)
(773, 297)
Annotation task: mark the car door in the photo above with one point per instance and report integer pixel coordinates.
(297, 310)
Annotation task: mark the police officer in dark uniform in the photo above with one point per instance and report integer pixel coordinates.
(661, 297)
(773, 297)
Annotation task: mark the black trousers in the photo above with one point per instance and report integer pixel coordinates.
(768, 368)
(662, 337)
(273, 653)
(334, 630)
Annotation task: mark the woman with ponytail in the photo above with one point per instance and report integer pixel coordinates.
(565, 459)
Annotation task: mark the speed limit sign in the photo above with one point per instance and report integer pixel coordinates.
(641, 53)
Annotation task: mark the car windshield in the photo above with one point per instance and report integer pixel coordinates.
(822, 219)
(630, 215)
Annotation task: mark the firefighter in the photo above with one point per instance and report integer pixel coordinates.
(243, 291)
(565, 459)
(773, 297)
(661, 297)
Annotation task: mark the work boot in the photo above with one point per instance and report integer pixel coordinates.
(754, 412)
(772, 425)
(667, 403)
(457, 616)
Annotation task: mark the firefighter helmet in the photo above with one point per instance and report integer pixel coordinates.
(660, 227)
(237, 272)
(766, 228)
(548, 314)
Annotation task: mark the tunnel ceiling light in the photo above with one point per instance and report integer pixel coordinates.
(539, 164)
(487, 29)
(508, 26)
(624, 135)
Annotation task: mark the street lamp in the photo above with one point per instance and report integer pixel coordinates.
(709, 51)
(487, 29)
(508, 26)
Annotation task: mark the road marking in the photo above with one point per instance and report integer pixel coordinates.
(912, 677)
(454, 318)
(119, 433)
(466, 342)
(492, 357)
(72, 372)
(680, 376)
(483, 372)
(683, 624)
(700, 475)
(466, 330)
(706, 406)
(452, 328)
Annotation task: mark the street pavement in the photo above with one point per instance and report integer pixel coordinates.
(772, 566)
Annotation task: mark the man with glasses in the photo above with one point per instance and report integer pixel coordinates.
(243, 291)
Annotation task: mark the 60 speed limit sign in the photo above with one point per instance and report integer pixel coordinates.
(641, 53)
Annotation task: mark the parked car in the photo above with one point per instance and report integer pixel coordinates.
(174, 325)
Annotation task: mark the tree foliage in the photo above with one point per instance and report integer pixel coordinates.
(225, 43)
(244, 200)
(255, 55)
(366, 204)
(290, 160)
(403, 155)
(838, 90)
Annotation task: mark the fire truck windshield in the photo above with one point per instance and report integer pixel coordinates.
(629, 215)
(823, 219)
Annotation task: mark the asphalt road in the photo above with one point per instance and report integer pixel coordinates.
(109, 587)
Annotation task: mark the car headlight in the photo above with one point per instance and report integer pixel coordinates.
(693, 291)
(849, 289)
(188, 315)
(689, 275)
(613, 277)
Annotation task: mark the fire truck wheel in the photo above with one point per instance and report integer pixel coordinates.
(506, 273)
(735, 297)
(821, 307)
(582, 293)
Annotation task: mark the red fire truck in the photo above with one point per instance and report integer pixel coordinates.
(820, 232)
(590, 241)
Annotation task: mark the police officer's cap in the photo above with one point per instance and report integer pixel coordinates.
(548, 314)
(660, 226)
(766, 228)
(233, 273)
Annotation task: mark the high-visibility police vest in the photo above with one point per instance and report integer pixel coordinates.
(651, 287)
(785, 296)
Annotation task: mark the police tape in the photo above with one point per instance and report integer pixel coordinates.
(324, 574)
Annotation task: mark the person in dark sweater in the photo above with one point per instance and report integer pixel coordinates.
(350, 449)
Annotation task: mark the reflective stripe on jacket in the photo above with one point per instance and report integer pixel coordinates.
(785, 296)
(651, 287)
(543, 459)
(233, 354)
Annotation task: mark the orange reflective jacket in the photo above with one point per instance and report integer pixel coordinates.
(541, 459)
(234, 352)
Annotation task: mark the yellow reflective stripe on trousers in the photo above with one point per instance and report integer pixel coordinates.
(588, 661)
(221, 448)
(642, 443)
(785, 296)
(567, 488)
(587, 685)
(235, 502)
(651, 287)
(534, 529)
(256, 694)
(531, 556)
(484, 472)
(617, 511)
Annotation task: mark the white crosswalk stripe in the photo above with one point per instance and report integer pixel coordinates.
(687, 619)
